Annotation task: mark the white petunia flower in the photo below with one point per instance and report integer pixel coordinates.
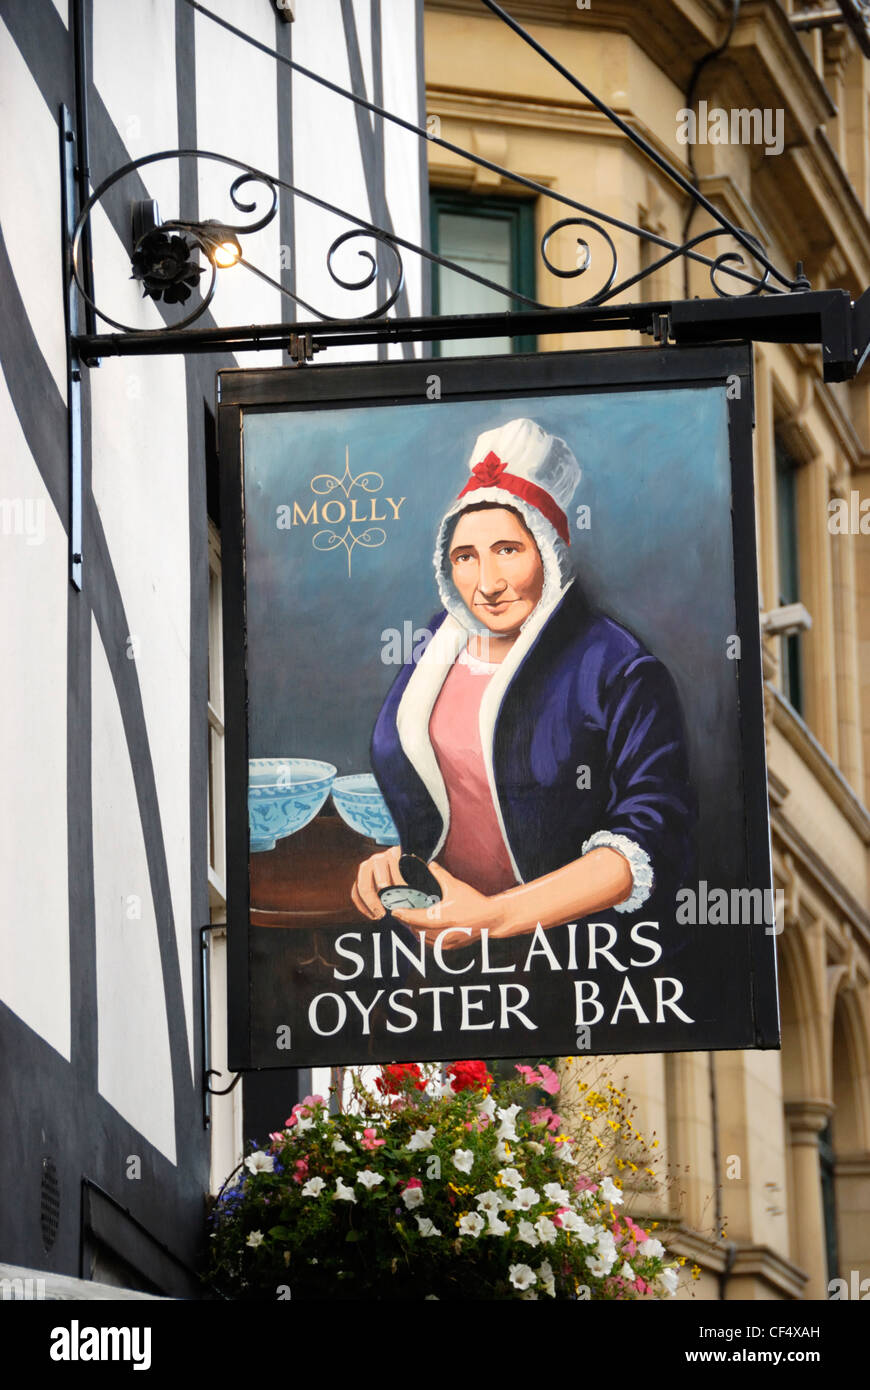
(426, 1227)
(627, 1272)
(522, 1276)
(313, 1187)
(369, 1179)
(258, 1162)
(339, 1146)
(535, 1147)
(501, 1151)
(566, 1153)
(667, 1281)
(511, 1178)
(254, 1239)
(497, 1227)
(546, 1230)
(412, 1197)
(303, 1122)
(471, 1224)
(596, 1266)
(546, 1280)
(578, 1227)
(486, 1107)
(507, 1115)
(525, 1199)
(606, 1249)
(529, 1296)
(489, 1202)
(463, 1159)
(421, 1139)
(343, 1193)
(651, 1249)
(557, 1194)
(527, 1233)
(610, 1192)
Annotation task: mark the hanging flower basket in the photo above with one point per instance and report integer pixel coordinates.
(428, 1190)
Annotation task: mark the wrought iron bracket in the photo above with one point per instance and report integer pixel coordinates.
(827, 318)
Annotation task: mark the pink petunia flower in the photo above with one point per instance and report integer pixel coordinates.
(549, 1080)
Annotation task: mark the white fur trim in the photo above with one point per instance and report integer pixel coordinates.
(639, 863)
(415, 709)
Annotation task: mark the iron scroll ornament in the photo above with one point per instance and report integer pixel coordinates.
(784, 284)
(207, 236)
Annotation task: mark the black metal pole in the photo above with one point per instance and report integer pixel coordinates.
(82, 169)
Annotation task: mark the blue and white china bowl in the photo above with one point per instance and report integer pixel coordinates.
(361, 806)
(283, 795)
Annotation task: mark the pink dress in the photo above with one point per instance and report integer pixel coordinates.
(474, 850)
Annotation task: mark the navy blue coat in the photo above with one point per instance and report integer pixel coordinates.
(577, 692)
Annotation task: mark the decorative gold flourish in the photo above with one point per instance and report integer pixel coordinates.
(373, 536)
(349, 540)
(347, 482)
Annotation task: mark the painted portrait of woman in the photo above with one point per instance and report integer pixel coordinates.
(534, 755)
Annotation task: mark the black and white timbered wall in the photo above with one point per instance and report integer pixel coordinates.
(104, 734)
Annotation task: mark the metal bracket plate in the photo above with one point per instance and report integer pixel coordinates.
(74, 364)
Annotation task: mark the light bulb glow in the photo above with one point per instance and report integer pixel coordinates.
(226, 254)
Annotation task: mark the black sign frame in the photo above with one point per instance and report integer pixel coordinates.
(244, 392)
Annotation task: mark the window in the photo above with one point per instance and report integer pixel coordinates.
(492, 237)
(829, 1204)
(791, 665)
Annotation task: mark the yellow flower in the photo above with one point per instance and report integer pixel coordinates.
(696, 1271)
(681, 1260)
(654, 1226)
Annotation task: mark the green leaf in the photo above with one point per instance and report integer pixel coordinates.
(354, 1235)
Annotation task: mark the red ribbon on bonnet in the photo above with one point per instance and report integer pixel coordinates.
(492, 472)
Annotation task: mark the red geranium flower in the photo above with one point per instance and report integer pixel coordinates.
(398, 1076)
(469, 1076)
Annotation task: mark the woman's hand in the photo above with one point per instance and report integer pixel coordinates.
(379, 871)
(461, 907)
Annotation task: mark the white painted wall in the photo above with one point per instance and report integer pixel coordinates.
(139, 481)
(30, 203)
(134, 1064)
(134, 72)
(34, 904)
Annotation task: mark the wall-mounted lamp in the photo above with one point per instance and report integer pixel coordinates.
(164, 253)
